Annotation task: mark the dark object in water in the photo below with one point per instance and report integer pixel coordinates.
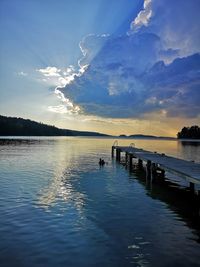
(101, 162)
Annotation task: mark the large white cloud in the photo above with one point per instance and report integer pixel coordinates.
(119, 92)
(140, 72)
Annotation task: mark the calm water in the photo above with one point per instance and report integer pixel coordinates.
(58, 208)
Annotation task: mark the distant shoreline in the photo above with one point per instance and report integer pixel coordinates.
(143, 136)
(12, 127)
(34, 138)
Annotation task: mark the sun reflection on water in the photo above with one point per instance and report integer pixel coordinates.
(60, 189)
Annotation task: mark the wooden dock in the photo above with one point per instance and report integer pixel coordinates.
(155, 162)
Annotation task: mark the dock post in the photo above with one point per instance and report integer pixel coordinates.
(192, 188)
(154, 170)
(126, 158)
(118, 154)
(112, 154)
(198, 199)
(140, 164)
(163, 173)
(130, 162)
(148, 170)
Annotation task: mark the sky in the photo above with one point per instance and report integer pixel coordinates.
(116, 67)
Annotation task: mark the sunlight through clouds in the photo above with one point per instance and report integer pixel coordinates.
(143, 70)
(61, 78)
(138, 73)
(66, 107)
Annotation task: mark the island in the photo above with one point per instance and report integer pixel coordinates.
(143, 136)
(192, 132)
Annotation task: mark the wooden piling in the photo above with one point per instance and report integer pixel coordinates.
(118, 154)
(192, 188)
(162, 173)
(126, 158)
(130, 162)
(198, 202)
(140, 164)
(154, 170)
(112, 153)
(148, 170)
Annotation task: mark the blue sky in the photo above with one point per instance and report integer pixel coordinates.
(110, 66)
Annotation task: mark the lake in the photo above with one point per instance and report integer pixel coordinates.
(59, 208)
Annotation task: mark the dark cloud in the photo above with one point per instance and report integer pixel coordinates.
(120, 92)
(177, 24)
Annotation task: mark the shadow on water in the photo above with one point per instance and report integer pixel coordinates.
(179, 200)
(24, 141)
(190, 143)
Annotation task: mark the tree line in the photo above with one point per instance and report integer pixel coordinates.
(11, 126)
(192, 132)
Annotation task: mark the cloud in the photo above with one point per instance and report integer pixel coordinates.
(143, 17)
(63, 109)
(58, 77)
(169, 55)
(177, 24)
(175, 87)
(22, 73)
(61, 78)
(152, 69)
(116, 88)
(66, 107)
(50, 72)
(90, 46)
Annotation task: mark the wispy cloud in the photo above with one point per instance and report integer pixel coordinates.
(61, 77)
(50, 72)
(22, 73)
(64, 109)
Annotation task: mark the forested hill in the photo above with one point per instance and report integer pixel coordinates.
(10, 126)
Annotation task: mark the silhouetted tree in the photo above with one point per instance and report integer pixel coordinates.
(192, 132)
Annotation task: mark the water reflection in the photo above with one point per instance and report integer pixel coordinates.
(190, 143)
(179, 200)
(190, 150)
(60, 188)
